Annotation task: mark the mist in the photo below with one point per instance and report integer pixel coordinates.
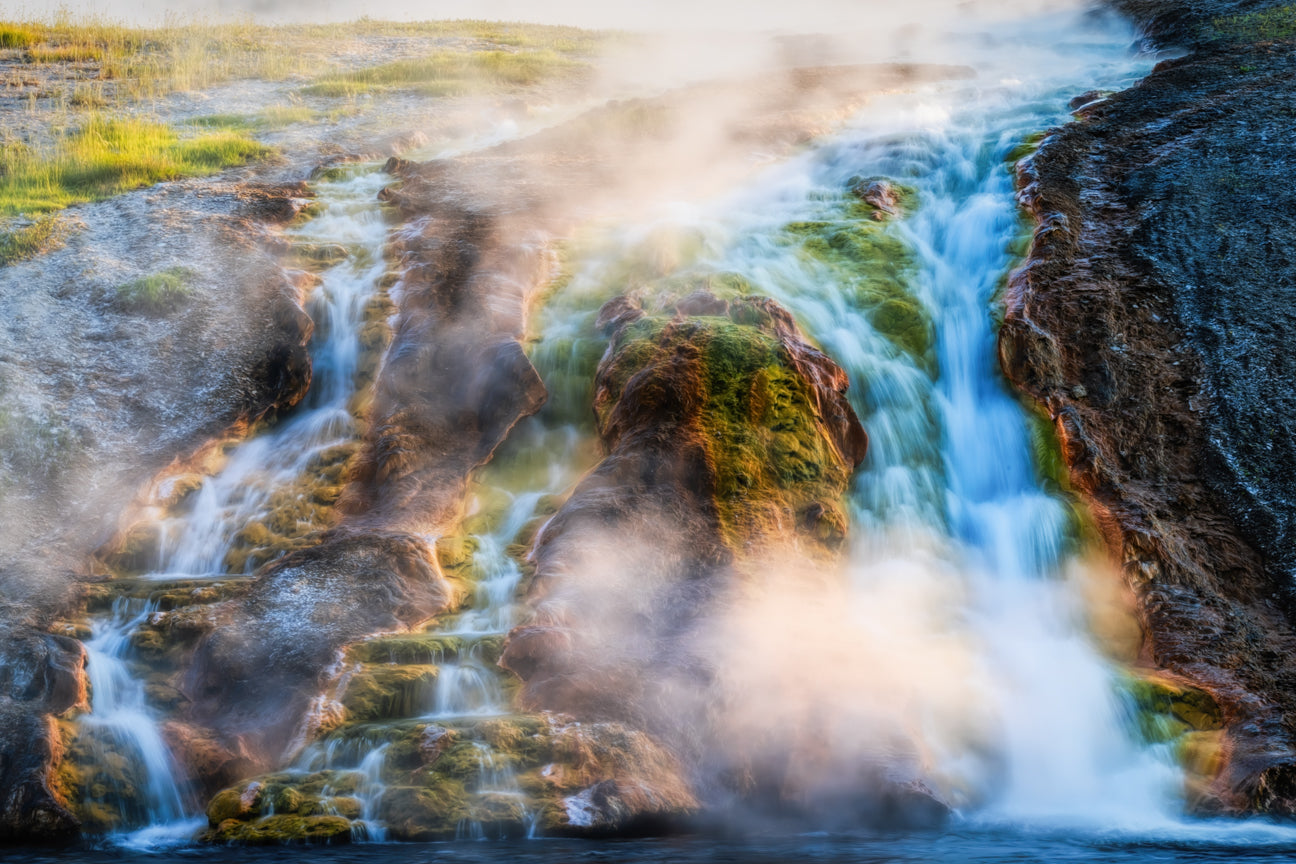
(874, 22)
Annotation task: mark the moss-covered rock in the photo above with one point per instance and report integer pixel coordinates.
(281, 830)
(382, 692)
(871, 263)
(762, 427)
(1167, 708)
(424, 812)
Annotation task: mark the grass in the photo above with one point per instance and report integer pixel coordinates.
(43, 235)
(15, 37)
(149, 62)
(159, 294)
(1267, 25)
(104, 157)
(450, 73)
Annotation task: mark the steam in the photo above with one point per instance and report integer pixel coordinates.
(851, 676)
(879, 21)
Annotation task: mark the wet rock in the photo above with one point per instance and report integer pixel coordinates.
(616, 313)
(881, 195)
(388, 692)
(40, 676)
(1159, 274)
(725, 439)
(254, 675)
(274, 204)
(702, 303)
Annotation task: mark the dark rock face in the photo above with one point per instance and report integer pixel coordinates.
(40, 676)
(1152, 320)
(1187, 22)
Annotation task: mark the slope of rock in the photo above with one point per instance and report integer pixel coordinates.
(1152, 321)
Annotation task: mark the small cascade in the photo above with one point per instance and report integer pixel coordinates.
(132, 771)
(252, 501)
(495, 593)
(498, 791)
(370, 791)
(469, 684)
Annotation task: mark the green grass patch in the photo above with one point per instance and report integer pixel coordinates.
(106, 157)
(1267, 25)
(15, 37)
(283, 116)
(159, 294)
(238, 122)
(43, 235)
(451, 73)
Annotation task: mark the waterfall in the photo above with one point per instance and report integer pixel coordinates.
(948, 510)
(147, 786)
(257, 473)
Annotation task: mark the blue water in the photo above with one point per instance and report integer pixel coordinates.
(988, 847)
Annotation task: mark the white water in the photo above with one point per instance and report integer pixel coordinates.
(495, 778)
(196, 542)
(121, 728)
(949, 515)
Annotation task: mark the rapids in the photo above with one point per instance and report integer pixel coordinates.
(963, 560)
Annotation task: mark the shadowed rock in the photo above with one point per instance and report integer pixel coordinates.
(40, 676)
(1153, 320)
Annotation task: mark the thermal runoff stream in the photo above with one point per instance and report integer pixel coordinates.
(944, 652)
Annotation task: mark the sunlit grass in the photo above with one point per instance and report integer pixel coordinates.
(282, 116)
(451, 73)
(15, 37)
(146, 63)
(105, 157)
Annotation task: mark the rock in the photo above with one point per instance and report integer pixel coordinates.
(1139, 336)
(274, 204)
(615, 313)
(702, 303)
(388, 692)
(725, 438)
(882, 195)
(254, 675)
(40, 675)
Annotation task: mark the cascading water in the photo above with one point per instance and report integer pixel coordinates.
(948, 499)
(121, 729)
(950, 469)
(198, 542)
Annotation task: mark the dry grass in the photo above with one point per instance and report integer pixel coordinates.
(147, 63)
(449, 74)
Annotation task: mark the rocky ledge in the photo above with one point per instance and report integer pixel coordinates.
(1152, 321)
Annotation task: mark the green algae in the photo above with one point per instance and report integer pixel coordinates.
(771, 457)
(873, 267)
(1264, 25)
(386, 692)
